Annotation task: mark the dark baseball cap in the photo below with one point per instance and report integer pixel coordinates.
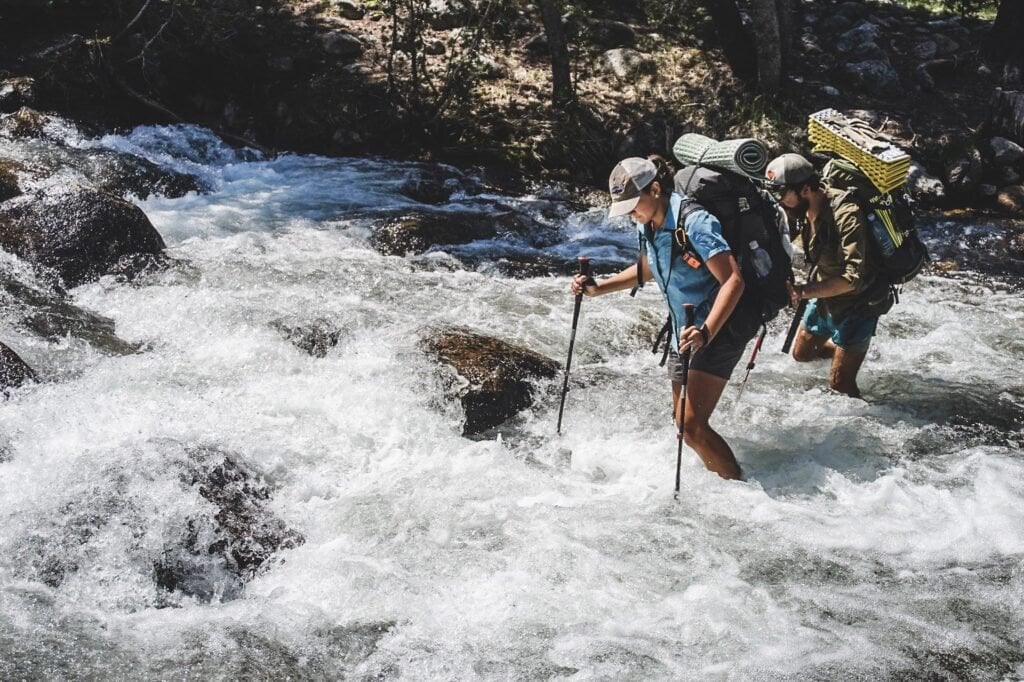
(789, 169)
(624, 184)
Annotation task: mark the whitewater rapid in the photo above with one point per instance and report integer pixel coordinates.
(872, 539)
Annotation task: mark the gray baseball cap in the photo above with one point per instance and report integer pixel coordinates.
(789, 169)
(624, 184)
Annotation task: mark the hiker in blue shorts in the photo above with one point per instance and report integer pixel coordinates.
(643, 190)
(846, 296)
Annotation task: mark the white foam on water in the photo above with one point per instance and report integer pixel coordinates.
(872, 538)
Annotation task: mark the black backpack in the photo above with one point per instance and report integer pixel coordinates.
(897, 245)
(748, 215)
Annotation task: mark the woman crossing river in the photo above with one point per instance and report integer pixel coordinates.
(698, 270)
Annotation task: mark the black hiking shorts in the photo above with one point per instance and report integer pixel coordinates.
(725, 350)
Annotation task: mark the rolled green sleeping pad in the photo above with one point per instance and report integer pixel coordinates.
(745, 155)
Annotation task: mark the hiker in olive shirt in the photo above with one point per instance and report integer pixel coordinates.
(846, 298)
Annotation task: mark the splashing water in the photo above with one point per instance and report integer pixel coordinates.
(873, 539)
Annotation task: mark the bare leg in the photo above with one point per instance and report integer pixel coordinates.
(702, 393)
(842, 376)
(808, 347)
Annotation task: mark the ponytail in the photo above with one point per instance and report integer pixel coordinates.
(666, 173)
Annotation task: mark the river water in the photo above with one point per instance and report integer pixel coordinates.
(873, 539)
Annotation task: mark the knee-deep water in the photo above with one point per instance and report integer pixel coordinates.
(875, 539)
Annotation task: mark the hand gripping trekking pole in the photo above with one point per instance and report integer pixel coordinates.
(585, 271)
(688, 310)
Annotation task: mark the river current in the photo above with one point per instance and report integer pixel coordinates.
(873, 539)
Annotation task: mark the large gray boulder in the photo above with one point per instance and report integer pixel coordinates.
(860, 42)
(626, 63)
(491, 378)
(875, 77)
(1005, 152)
(79, 234)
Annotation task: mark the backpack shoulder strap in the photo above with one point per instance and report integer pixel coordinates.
(681, 245)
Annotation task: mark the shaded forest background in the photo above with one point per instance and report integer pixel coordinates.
(549, 88)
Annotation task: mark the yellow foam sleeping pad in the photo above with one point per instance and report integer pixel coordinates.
(885, 164)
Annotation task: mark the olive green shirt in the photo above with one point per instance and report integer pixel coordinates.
(838, 244)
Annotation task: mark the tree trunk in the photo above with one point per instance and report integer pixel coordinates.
(769, 44)
(561, 74)
(737, 44)
(1005, 46)
(1007, 116)
(787, 33)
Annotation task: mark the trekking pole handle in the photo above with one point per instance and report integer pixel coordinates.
(584, 262)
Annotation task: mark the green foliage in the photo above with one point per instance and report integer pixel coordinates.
(964, 8)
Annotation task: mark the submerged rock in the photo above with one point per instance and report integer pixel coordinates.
(492, 378)
(317, 337)
(232, 544)
(13, 370)
(80, 234)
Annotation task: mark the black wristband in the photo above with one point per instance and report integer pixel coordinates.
(704, 334)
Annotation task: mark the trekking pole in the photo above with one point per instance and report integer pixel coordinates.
(688, 309)
(798, 317)
(750, 365)
(584, 270)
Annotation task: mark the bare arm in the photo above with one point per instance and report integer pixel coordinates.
(724, 268)
(625, 279)
(833, 286)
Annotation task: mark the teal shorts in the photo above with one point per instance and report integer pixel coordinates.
(851, 334)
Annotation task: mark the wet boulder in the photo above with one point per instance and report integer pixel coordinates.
(431, 184)
(13, 370)
(226, 544)
(79, 234)
(16, 93)
(10, 185)
(416, 233)
(24, 124)
(48, 312)
(129, 175)
(491, 378)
